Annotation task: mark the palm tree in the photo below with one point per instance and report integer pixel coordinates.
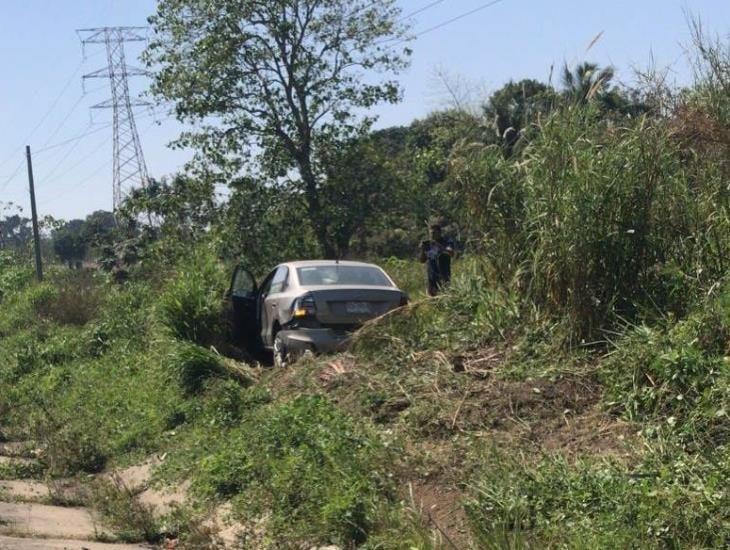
(586, 82)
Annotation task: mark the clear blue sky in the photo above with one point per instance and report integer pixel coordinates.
(41, 56)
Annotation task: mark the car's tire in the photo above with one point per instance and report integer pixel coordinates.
(281, 354)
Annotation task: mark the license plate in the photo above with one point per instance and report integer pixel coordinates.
(358, 307)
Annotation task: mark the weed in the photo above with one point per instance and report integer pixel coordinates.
(600, 503)
(70, 450)
(119, 508)
(675, 376)
(318, 471)
(15, 274)
(191, 307)
(192, 365)
(189, 529)
(20, 469)
(75, 300)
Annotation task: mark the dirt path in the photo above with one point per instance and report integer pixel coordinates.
(38, 515)
(29, 520)
(14, 543)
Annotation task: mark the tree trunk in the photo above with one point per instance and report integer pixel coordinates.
(316, 215)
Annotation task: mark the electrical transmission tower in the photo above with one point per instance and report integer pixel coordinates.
(129, 170)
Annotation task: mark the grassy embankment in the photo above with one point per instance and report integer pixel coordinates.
(571, 389)
(455, 400)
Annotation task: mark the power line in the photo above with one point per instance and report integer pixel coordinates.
(63, 159)
(361, 8)
(420, 10)
(47, 147)
(65, 119)
(13, 175)
(77, 139)
(93, 174)
(396, 21)
(47, 113)
(396, 41)
(79, 184)
(48, 177)
(71, 140)
(458, 17)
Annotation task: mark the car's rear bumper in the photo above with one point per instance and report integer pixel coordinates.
(318, 340)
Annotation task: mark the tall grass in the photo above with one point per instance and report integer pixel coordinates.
(603, 221)
(191, 305)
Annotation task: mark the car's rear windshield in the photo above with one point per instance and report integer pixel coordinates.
(342, 275)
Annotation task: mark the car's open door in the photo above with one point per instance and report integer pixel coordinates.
(244, 297)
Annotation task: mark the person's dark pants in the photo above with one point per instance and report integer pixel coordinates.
(436, 284)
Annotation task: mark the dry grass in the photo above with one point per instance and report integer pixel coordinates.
(76, 299)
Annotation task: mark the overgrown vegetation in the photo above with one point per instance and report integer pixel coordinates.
(570, 389)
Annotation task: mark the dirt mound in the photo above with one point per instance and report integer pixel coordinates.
(557, 415)
(440, 507)
(439, 396)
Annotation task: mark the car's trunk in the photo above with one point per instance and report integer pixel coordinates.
(347, 308)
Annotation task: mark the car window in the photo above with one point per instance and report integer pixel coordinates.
(279, 280)
(243, 283)
(266, 284)
(355, 275)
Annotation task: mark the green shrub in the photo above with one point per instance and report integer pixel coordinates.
(606, 209)
(70, 449)
(19, 308)
(44, 347)
(226, 403)
(15, 273)
(668, 502)
(192, 365)
(319, 472)
(409, 275)
(124, 318)
(676, 376)
(472, 312)
(191, 306)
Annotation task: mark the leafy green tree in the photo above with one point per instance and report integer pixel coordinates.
(262, 224)
(281, 78)
(182, 206)
(15, 232)
(99, 228)
(415, 161)
(586, 82)
(69, 242)
(515, 106)
(426, 165)
(431, 139)
(359, 187)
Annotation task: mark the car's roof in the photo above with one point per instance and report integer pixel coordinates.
(318, 263)
(313, 263)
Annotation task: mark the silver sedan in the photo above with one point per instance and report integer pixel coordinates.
(309, 306)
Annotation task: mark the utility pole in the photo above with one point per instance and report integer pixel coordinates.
(34, 213)
(129, 169)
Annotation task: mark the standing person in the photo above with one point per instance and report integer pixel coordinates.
(436, 253)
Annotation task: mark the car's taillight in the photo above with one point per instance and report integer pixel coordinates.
(403, 300)
(304, 306)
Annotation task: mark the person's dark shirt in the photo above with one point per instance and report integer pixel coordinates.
(437, 253)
